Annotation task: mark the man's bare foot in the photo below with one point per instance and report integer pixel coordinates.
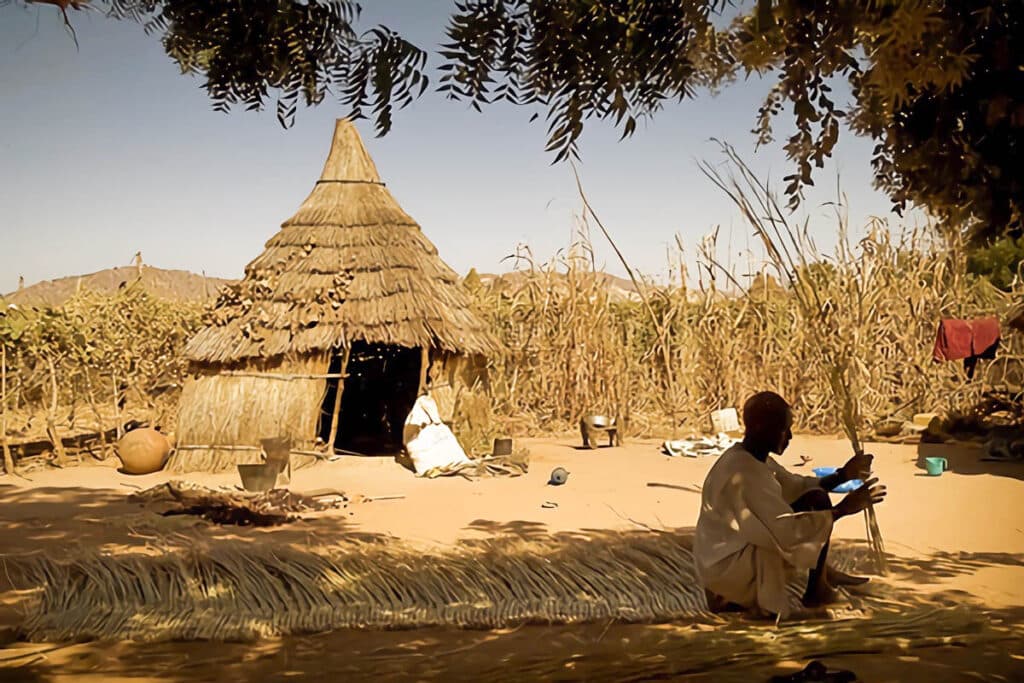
(838, 578)
(819, 595)
(758, 615)
(719, 605)
(808, 614)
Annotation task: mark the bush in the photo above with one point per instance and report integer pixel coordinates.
(999, 262)
(97, 350)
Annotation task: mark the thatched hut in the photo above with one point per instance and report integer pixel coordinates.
(340, 322)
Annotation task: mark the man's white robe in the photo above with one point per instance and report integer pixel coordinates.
(750, 544)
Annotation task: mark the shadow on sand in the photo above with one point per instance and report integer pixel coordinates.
(732, 650)
(66, 519)
(589, 652)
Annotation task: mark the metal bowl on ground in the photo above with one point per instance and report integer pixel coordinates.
(599, 421)
(889, 428)
(257, 477)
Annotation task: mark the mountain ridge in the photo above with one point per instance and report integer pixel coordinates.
(172, 285)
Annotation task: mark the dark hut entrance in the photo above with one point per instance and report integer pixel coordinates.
(379, 391)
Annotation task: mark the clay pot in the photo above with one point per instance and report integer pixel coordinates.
(143, 451)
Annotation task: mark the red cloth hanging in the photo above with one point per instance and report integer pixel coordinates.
(953, 341)
(968, 340)
(985, 337)
(959, 339)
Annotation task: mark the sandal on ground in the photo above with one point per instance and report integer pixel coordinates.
(814, 672)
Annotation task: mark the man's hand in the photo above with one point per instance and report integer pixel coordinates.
(858, 467)
(871, 493)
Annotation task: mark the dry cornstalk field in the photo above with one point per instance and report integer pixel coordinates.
(571, 345)
(572, 348)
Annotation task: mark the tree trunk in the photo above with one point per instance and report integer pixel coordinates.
(424, 367)
(8, 458)
(51, 418)
(96, 413)
(117, 405)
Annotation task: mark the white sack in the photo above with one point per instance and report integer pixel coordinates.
(428, 440)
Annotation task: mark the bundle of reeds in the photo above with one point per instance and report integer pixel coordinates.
(834, 350)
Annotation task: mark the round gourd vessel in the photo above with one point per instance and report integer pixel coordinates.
(143, 451)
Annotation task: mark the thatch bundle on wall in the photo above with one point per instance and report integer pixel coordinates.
(349, 293)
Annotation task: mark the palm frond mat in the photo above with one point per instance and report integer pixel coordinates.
(245, 592)
(489, 466)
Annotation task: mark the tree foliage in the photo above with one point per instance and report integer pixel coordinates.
(938, 84)
(617, 60)
(251, 51)
(999, 262)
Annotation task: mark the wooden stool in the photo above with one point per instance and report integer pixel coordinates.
(592, 427)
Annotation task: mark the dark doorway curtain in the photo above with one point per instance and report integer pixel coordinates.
(379, 391)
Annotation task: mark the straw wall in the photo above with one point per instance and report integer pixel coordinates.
(223, 416)
(460, 387)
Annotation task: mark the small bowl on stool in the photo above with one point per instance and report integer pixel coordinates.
(257, 477)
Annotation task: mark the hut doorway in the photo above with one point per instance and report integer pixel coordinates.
(379, 391)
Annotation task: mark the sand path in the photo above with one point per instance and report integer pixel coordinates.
(959, 534)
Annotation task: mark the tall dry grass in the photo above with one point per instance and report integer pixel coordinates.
(573, 347)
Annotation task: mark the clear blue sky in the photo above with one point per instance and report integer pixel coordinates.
(109, 150)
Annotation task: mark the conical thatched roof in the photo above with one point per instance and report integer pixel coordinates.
(349, 265)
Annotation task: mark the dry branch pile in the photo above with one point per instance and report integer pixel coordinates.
(230, 506)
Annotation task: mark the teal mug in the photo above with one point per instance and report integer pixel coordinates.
(935, 466)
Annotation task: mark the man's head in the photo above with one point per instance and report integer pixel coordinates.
(768, 421)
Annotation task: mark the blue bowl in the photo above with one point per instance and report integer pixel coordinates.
(851, 485)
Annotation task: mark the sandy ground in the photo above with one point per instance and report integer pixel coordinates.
(960, 534)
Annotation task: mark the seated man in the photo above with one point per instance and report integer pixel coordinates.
(760, 524)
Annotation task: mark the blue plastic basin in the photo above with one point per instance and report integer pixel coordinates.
(851, 485)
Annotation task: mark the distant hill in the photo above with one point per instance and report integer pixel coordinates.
(182, 285)
(172, 285)
(621, 289)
